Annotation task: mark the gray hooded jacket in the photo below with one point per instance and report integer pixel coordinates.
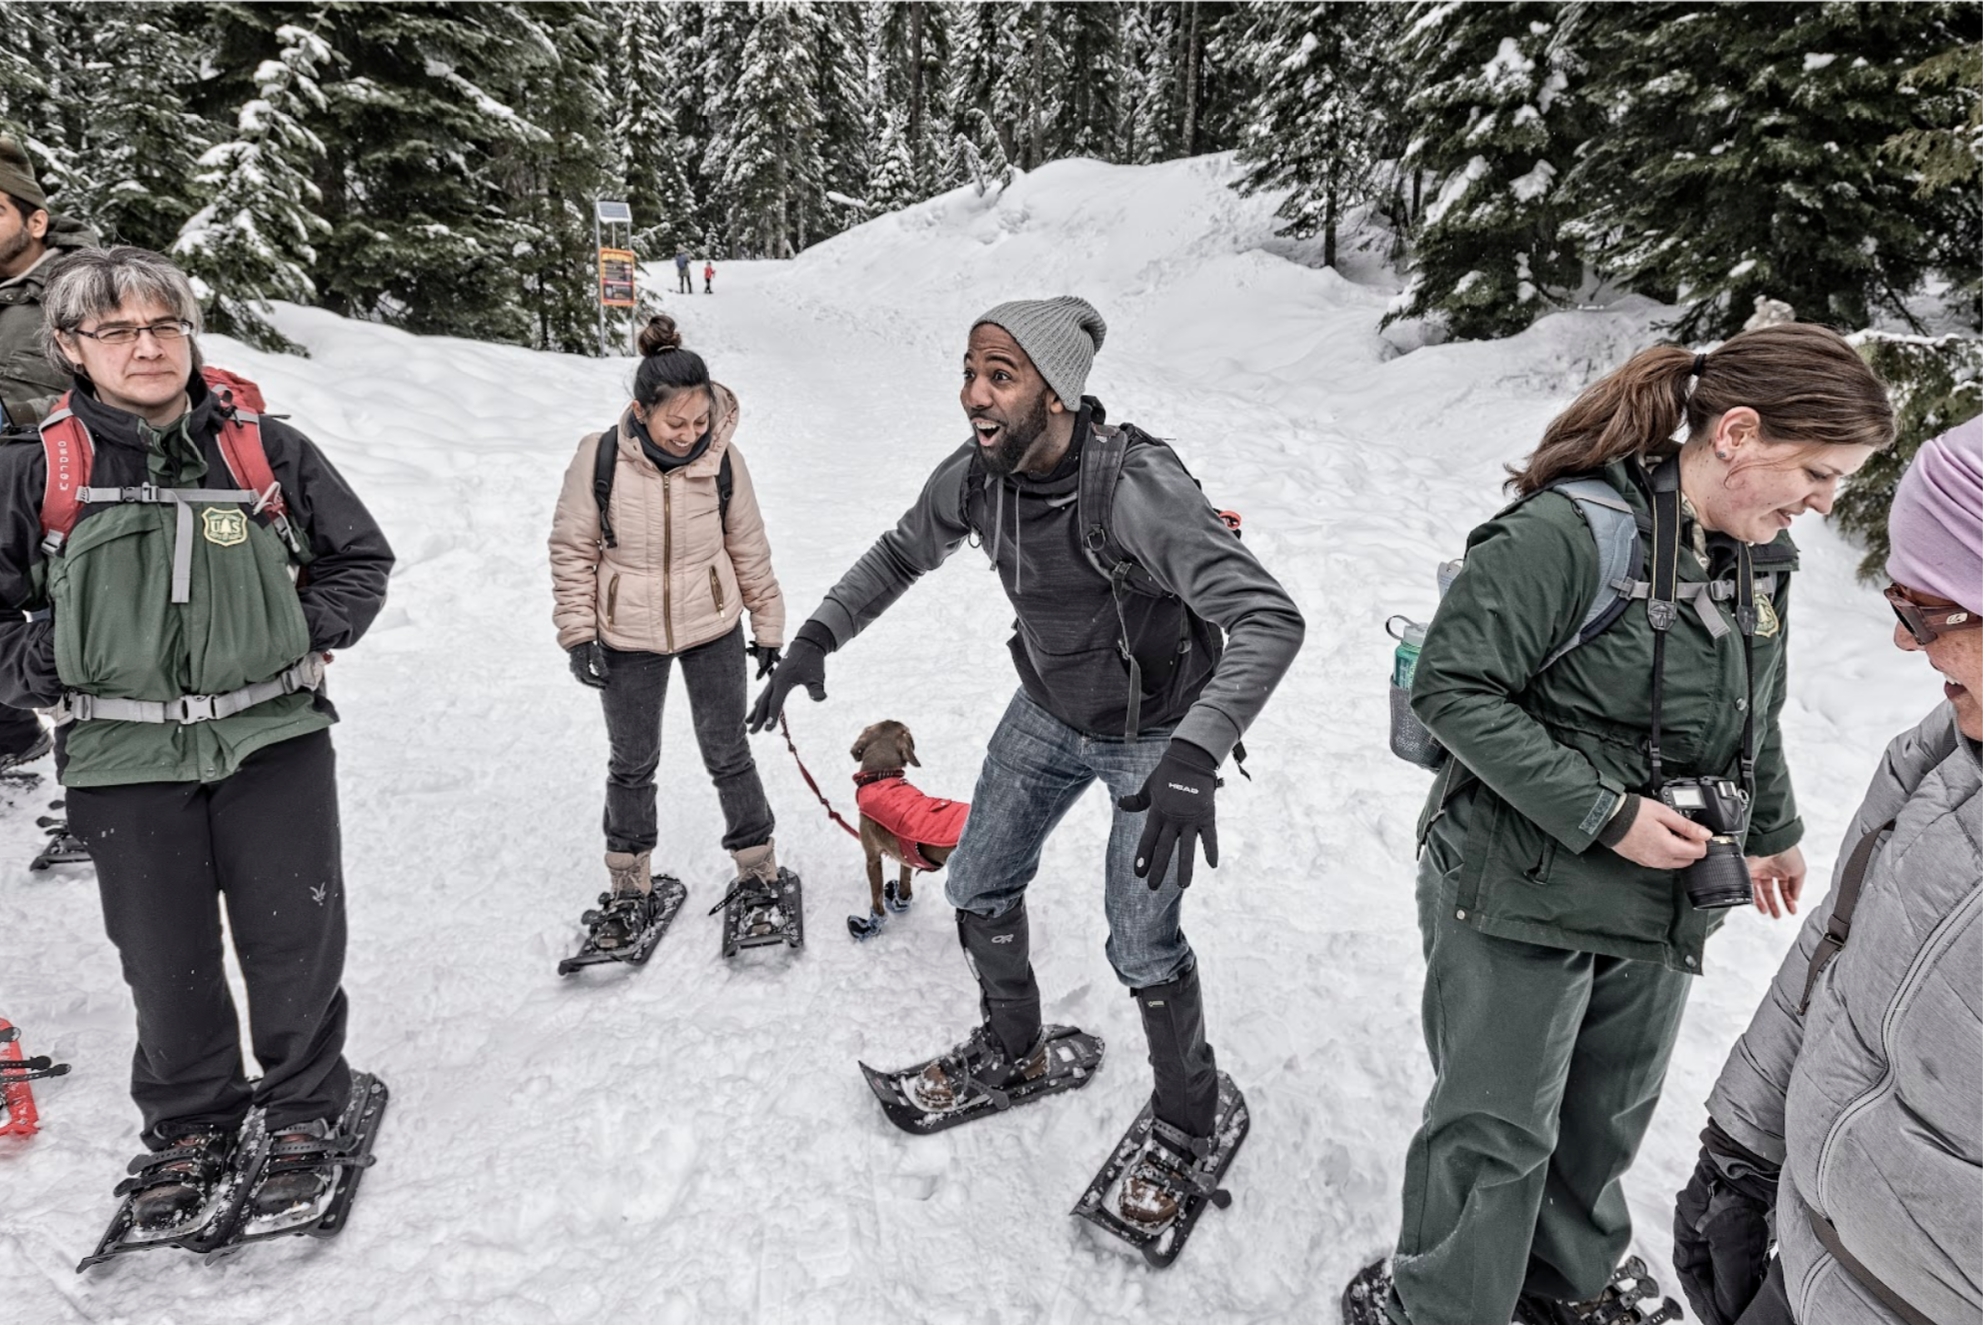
(1871, 1099)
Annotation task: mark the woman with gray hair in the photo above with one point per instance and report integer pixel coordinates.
(1847, 1118)
(180, 570)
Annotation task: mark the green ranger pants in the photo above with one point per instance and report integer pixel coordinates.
(1547, 1067)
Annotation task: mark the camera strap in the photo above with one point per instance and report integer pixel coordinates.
(1663, 610)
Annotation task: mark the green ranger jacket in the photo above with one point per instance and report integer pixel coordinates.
(1539, 759)
(29, 384)
(111, 627)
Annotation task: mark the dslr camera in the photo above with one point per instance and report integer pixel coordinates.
(1722, 878)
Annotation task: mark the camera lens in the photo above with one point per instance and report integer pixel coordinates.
(1720, 880)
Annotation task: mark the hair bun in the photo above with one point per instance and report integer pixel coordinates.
(660, 335)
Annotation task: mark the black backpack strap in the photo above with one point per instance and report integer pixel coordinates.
(603, 463)
(1095, 498)
(724, 485)
(1840, 924)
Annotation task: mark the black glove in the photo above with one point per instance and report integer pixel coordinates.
(766, 657)
(805, 664)
(1178, 796)
(1722, 1227)
(589, 664)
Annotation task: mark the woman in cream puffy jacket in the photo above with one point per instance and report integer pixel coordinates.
(665, 579)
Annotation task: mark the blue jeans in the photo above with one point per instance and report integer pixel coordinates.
(1035, 769)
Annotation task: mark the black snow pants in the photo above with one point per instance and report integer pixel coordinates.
(267, 839)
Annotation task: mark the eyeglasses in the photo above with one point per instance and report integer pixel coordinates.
(1924, 623)
(172, 329)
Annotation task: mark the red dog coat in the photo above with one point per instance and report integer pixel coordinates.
(912, 816)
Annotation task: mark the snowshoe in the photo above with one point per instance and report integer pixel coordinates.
(62, 849)
(13, 766)
(1365, 1298)
(185, 1197)
(1632, 1296)
(758, 912)
(17, 1109)
(309, 1177)
(1157, 1183)
(625, 929)
(976, 1078)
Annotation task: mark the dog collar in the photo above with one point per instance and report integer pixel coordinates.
(866, 777)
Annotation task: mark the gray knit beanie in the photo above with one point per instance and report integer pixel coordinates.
(1060, 336)
(17, 174)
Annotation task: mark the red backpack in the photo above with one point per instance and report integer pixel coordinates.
(66, 445)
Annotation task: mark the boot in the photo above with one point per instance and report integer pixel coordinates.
(757, 865)
(1010, 1046)
(297, 1186)
(1632, 1296)
(170, 1188)
(625, 906)
(1185, 1105)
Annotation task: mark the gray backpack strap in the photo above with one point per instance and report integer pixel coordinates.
(1616, 533)
(1840, 925)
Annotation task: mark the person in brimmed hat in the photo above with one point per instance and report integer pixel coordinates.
(1123, 679)
(31, 240)
(1847, 1118)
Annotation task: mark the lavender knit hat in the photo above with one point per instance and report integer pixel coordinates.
(1936, 525)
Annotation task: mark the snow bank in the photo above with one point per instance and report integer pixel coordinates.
(692, 1141)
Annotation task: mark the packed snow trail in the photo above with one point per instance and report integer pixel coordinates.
(692, 1140)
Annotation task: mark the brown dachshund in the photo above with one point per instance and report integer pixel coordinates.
(897, 821)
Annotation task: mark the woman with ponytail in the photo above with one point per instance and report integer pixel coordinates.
(657, 548)
(1565, 892)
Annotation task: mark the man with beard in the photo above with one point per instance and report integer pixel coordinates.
(1121, 576)
(31, 241)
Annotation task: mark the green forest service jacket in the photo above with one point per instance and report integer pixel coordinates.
(1539, 759)
(113, 628)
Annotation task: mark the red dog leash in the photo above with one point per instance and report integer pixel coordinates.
(807, 775)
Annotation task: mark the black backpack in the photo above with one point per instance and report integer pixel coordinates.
(607, 459)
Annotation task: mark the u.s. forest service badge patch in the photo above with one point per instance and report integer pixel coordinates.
(1767, 620)
(229, 526)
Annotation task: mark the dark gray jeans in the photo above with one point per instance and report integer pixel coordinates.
(636, 685)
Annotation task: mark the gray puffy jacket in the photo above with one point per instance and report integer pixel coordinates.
(1872, 1099)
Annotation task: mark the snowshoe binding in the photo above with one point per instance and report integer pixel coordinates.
(309, 1173)
(1632, 1296)
(17, 1109)
(759, 912)
(626, 927)
(187, 1196)
(1157, 1183)
(62, 849)
(977, 1077)
(1365, 1298)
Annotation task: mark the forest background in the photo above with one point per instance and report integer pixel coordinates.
(434, 166)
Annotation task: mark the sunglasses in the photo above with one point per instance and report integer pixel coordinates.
(1924, 623)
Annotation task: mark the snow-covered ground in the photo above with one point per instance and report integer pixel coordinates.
(692, 1141)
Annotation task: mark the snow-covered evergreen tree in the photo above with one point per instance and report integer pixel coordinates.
(1315, 128)
(1743, 154)
(768, 160)
(1496, 124)
(253, 239)
(846, 107)
(655, 154)
(913, 47)
(892, 184)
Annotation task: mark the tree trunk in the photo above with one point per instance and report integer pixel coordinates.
(917, 154)
(1189, 138)
(1038, 59)
(1330, 190)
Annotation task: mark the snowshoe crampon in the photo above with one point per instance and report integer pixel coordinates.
(1632, 1296)
(17, 1109)
(759, 913)
(642, 919)
(1190, 1174)
(62, 849)
(345, 1154)
(223, 1174)
(1071, 1058)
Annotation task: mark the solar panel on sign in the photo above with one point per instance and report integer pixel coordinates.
(607, 210)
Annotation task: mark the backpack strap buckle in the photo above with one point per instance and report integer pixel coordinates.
(195, 709)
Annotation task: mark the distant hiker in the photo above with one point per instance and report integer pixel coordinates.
(1844, 1130)
(31, 240)
(1594, 814)
(186, 658)
(1124, 679)
(683, 285)
(663, 581)
(709, 275)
